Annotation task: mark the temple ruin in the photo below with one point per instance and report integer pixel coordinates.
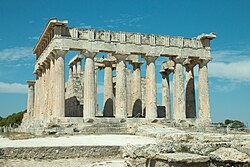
(127, 95)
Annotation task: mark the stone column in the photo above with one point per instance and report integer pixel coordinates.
(108, 90)
(52, 86)
(31, 98)
(96, 85)
(47, 87)
(179, 91)
(79, 66)
(128, 92)
(151, 99)
(70, 71)
(204, 104)
(89, 105)
(121, 100)
(166, 92)
(42, 95)
(74, 69)
(59, 84)
(136, 95)
(190, 91)
(37, 94)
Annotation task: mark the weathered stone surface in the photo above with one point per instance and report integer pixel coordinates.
(229, 155)
(59, 152)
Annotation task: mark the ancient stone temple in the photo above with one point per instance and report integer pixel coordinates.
(127, 95)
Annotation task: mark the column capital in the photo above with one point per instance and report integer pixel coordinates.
(120, 57)
(165, 73)
(38, 72)
(46, 64)
(88, 54)
(42, 67)
(179, 60)
(136, 64)
(51, 56)
(204, 61)
(108, 63)
(189, 63)
(31, 82)
(58, 52)
(149, 59)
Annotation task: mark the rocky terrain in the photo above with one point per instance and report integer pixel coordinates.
(152, 144)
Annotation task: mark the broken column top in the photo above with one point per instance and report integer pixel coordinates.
(75, 59)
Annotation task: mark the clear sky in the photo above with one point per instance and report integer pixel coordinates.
(229, 72)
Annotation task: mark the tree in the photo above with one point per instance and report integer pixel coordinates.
(13, 119)
(235, 124)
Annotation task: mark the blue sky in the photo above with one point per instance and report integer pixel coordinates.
(229, 72)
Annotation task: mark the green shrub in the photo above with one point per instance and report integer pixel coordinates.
(236, 124)
(13, 119)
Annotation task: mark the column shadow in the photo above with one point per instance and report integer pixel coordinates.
(108, 108)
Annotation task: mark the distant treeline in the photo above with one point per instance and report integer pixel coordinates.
(13, 119)
(234, 124)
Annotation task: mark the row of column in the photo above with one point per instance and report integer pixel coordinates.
(50, 88)
(128, 100)
(75, 67)
(49, 101)
(184, 105)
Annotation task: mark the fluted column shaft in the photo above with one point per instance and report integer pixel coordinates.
(96, 85)
(52, 109)
(108, 90)
(151, 98)
(166, 93)
(128, 92)
(179, 91)
(42, 95)
(37, 94)
(89, 106)
(204, 103)
(79, 66)
(59, 82)
(121, 93)
(190, 92)
(70, 71)
(31, 98)
(47, 88)
(136, 95)
(74, 69)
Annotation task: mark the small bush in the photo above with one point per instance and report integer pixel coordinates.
(235, 124)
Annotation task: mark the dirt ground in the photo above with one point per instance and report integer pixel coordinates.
(77, 162)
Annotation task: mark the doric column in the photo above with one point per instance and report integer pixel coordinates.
(74, 69)
(37, 94)
(166, 92)
(136, 95)
(179, 91)
(204, 104)
(42, 95)
(31, 98)
(108, 99)
(47, 87)
(79, 66)
(96, 85)
(52, 110)
(59, 84)
(70, 71)
(151, 98)
(121, 99)
(89, 106)
(128, 92)
(190, 91)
